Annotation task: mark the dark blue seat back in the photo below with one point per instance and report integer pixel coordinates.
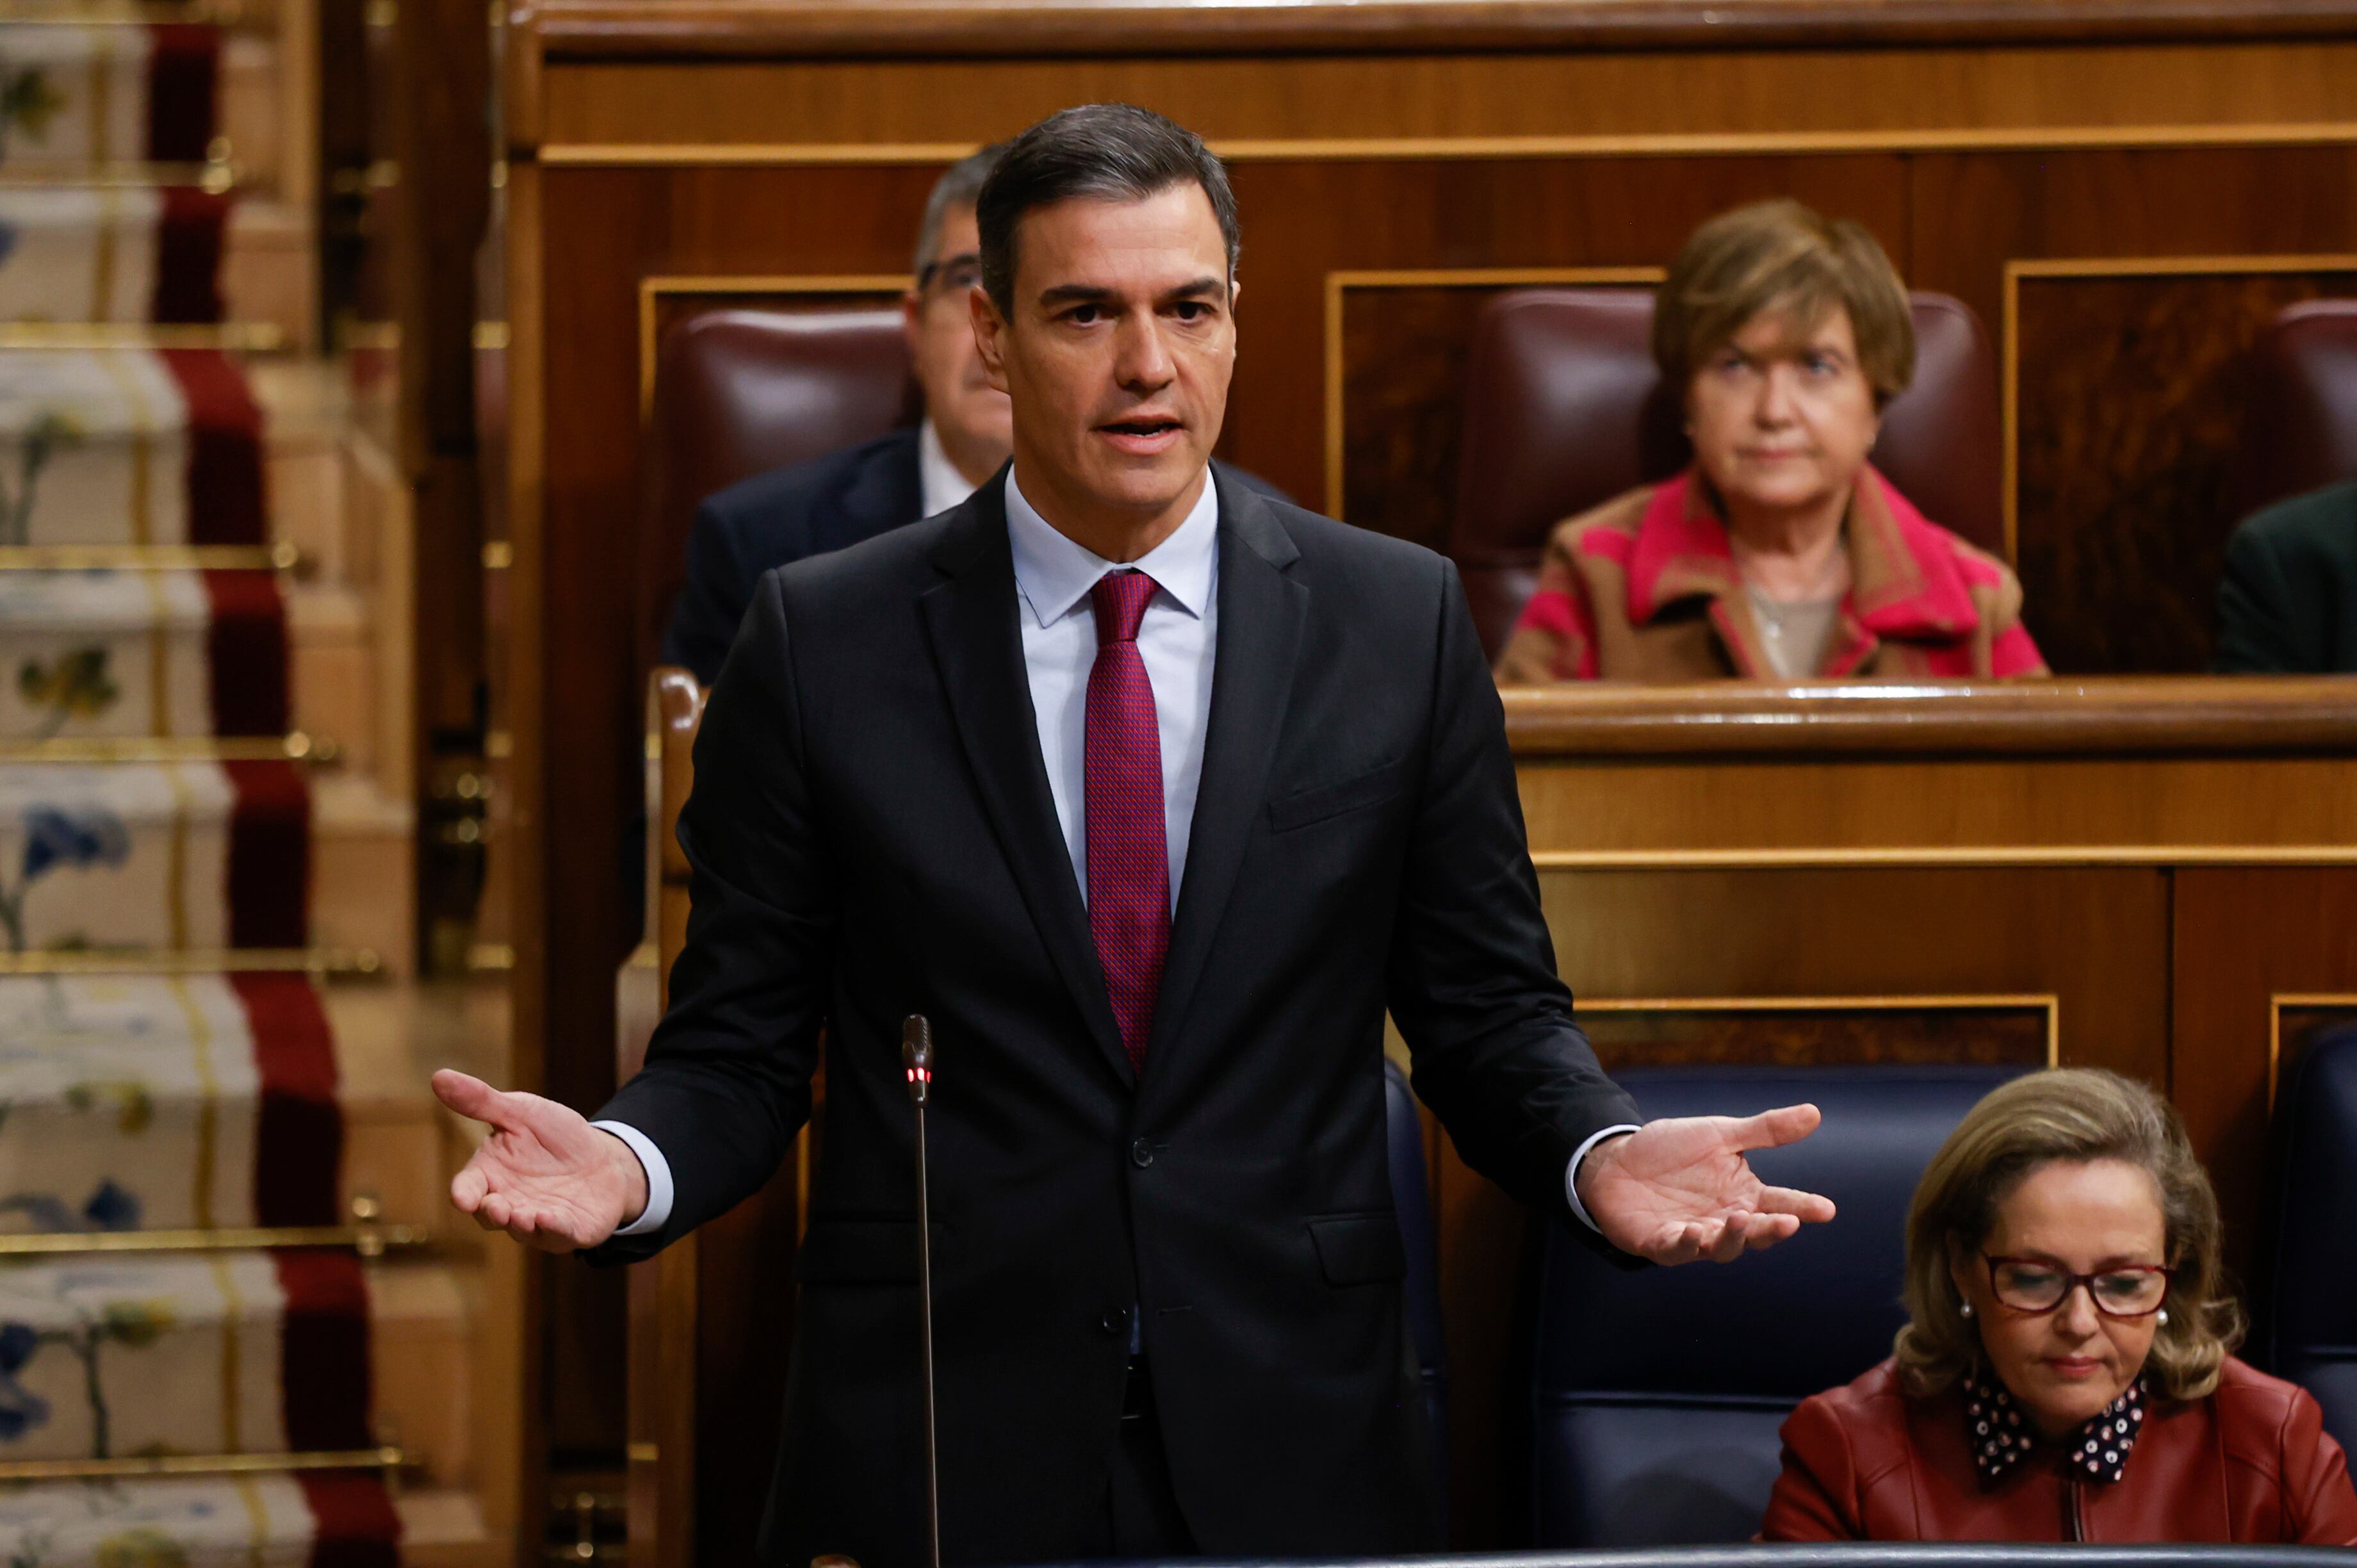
(2304, 1326)
(1412, 1196)
(1656, 1393)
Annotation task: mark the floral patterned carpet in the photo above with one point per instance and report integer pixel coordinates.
(134, 1104)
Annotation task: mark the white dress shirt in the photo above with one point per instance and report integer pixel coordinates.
(1177, 638)
(939, 485)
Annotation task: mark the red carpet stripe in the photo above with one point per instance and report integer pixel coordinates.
(269, 855)
(189, 255)
(245, 643)
(228, 503)
(354, 1519)
(183, 77)
(298, 1135)
(324, 1351)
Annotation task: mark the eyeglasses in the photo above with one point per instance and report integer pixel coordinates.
(2038, 1284)
(957, 275)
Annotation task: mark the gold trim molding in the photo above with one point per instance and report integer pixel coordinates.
(321, 962)
(653, 289)
(1362, 149)
(2046, 1002)
(1936, 856)
(367, 1240)
(2017, 269)
(295, 746)
(385, 1458)
(2278, 1003)
(246, 336)
(283, 556)
(1338, 282)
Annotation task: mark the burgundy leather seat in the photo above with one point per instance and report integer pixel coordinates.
(2300, 416)
(1564, 410)
(740, 391)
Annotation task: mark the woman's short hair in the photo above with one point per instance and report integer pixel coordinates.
(1783, 256)
(2075, 1114)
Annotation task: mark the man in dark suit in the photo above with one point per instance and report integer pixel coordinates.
(2287, 602)
(1153, 795)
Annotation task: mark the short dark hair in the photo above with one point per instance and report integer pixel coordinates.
(959, 184)
(1111, 152)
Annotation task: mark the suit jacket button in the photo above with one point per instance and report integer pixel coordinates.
(1116, 1320)
(1141, 1153)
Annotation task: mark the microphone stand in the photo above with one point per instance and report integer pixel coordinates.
(917, 1056)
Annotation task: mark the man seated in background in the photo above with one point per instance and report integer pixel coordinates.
(2287, 602)
(1780, 554)
(809, 509)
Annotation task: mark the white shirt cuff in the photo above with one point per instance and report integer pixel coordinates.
(1570, 1173)
(658, 1169)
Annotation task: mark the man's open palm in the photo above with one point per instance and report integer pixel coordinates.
(1680, 1189)
(545, 1175)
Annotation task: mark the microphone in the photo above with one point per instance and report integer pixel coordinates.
(917, 1056)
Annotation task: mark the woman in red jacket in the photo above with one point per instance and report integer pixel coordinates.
(2067, 1373)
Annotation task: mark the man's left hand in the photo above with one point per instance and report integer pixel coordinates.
(1680, 1189)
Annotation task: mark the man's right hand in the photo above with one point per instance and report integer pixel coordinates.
(545, 1175)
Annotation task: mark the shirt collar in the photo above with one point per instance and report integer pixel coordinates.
(1054, 573)
(939, 483)
(2000, 1439)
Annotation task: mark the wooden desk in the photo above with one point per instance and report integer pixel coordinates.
(2158, 877)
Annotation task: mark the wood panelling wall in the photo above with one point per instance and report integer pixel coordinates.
(2121, 189)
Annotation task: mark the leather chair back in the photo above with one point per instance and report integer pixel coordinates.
(1656, 1394)
(2304, 1326)
(1412, 1197)
(2300, 411)
(1564, 410)
(741, 392)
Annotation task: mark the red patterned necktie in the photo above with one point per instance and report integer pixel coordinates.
(1129, 862)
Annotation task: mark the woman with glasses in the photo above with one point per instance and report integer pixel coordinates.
(2066, 1372)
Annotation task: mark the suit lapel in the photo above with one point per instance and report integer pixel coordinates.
(1261, 615)
(978, 651)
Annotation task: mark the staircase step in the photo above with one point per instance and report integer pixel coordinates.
(163, 1102)
(119, 655)
(252, 108)
(112, 95)
(335, 669)
(324, 1519)
(237, 1352)
(116, 254)
(128, 446)
(269, 269)
(169, 856)
(364, 877)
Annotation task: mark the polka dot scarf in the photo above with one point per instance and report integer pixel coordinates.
(2002, 1439)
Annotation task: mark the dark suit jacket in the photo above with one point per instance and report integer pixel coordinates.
(871, 835)
(791, 514)
(2287, 602)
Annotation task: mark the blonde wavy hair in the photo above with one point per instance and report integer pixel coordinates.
(2075, 1114)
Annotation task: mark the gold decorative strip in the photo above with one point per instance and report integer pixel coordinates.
(2046, 1002)
(2019, 268)
(2276, 1004)
(1929, 857)
(1338, 282)
(283, 556)
(367, 1240)
(653, 289)
(219, 961)
(217, 179)
(244, 337)
(1361, 149)
(385, 1458)
(495, 958)
(295, 747)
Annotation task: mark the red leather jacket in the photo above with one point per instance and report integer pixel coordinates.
(2251, 1463)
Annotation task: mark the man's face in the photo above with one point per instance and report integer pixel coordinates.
(971, 414)
(1118, 349)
